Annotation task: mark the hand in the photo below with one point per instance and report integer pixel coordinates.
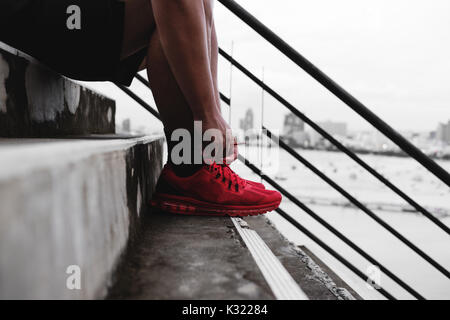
(225, 139)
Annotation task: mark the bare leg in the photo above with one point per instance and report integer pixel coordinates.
(181, 58)
(214, 65)
(173, 107)
(214, 57)
(166, 90)
(182, 68)
(182, 26)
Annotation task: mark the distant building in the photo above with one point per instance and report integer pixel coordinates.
(294, 131)
(373, 140)
(292, 124)
(126, 125)
(443, 132)
(336, 129)
(247, 122)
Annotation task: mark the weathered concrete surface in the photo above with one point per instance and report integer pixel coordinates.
(70, 202)
(36, 102)
(181, 257)
(315, 278)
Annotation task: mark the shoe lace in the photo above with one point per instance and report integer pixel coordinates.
(227, 174)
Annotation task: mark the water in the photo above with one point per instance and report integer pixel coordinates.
(361, 229)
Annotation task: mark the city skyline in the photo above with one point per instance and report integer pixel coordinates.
(244, 124)
(297, 134)
(396, 67)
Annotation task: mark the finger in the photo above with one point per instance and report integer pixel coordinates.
(230, 159)
(233, 157)
(229, 145)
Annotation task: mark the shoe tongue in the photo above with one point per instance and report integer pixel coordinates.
(225, 167)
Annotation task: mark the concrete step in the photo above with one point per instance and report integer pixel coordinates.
(69, 208)
(181, 257)
(75, 221)
(37, 102)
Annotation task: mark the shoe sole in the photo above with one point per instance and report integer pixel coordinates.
(185, 207)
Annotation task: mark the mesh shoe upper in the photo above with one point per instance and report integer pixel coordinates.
(215, 184)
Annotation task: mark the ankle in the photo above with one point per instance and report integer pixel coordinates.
(185, 170)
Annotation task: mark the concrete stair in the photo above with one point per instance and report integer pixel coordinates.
(84, 203)
(75, 221)
(179, 257)
(70, 203)
(72, 192)
(36, 102)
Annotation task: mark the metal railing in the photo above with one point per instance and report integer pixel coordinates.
(337, 90)
(314, 215)
(332, 140)
(366, 114)
(358, 160)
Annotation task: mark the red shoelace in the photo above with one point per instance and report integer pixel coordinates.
(225, 172)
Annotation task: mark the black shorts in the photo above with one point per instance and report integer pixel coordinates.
(90, 53)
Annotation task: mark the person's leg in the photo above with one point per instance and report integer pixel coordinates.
(166, 88)
(184, 33)
(183, 27)
(170, 101)
(214, 65)
(139, 33)
(214, 58)
(168, 95)
(173, 107)
(213, 190)
(139, 25)
(212, 47)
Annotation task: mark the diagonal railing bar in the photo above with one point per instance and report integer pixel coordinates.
(136, 98)
(331, 251)
(356, 202)
(335, 142)
(311, 213)
(337, 90)
(225, 99)
(143, 80)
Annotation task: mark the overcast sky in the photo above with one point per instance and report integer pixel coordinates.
(393, 55)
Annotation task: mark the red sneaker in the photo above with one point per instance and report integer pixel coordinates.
(213, 190)
(252, 183)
